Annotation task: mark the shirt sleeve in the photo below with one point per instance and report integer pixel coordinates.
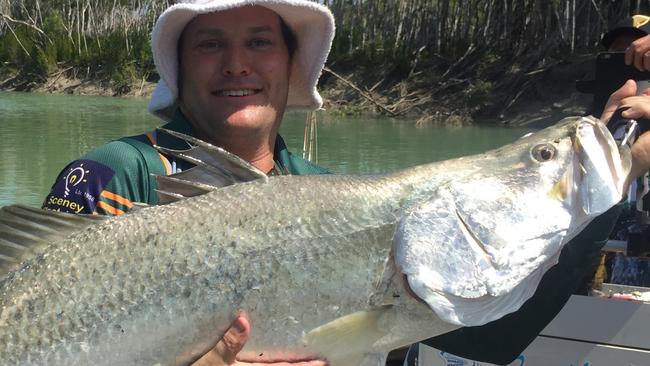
(105, 181)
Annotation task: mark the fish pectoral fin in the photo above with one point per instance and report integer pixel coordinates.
(25, 231)
(350, 339)
(138, 206)
(174, 188)
(213, 168)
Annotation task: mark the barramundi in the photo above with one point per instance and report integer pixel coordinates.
(336, 267)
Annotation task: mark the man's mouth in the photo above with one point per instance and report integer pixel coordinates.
(236, 92)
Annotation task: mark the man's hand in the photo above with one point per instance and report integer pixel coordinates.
(638, 54)
(639, 107)
(224, 353)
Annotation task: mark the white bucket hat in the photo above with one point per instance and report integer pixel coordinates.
(312, 24)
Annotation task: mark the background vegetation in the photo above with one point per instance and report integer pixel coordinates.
(104, 40)
(478, 46)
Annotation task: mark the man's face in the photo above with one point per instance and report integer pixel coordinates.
(234, 72)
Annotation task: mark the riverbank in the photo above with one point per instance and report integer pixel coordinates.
(69, 81)
(424, 92)
(495, 91)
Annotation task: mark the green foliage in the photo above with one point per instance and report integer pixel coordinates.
(9, 48)
(91, 35)
(41, 64)
(478, 92)
(25, 47)
(123, 77)
(53, 26)
(116, 56)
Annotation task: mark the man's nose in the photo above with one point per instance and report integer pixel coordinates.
(235, 62)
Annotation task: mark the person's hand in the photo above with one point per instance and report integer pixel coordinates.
(638, 53)
(224, 353)
(639, 107)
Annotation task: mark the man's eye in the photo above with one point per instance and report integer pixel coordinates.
(260, 42)
(210, 45)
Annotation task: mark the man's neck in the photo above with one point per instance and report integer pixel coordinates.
(258, 152)
(256, 147)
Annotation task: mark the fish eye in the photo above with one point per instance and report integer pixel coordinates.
(543, 152)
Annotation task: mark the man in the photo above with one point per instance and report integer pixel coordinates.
(627, 56)
(630, 35)
(228, 74)
(229, 70)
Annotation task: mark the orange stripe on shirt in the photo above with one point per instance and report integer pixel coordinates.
(110, 209)
(165, 161)
(117, 198)
(151, 138)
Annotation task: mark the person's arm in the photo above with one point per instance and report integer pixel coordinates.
(501, 341)
(638, 108)
(107, 180)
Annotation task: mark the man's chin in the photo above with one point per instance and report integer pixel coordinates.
(252, 117)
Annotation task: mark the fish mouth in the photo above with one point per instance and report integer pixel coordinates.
(599, 166)
(602, 166)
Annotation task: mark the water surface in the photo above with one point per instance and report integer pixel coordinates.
(41, 133)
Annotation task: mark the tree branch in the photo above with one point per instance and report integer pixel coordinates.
(363, 94)
(10, 19)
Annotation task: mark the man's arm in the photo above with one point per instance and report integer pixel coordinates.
(105, 181)
(502, 340)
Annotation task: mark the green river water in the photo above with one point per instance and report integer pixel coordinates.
(41, 133)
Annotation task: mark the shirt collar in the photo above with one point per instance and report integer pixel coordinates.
(180, 124)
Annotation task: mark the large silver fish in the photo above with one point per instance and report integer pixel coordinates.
(344, 268)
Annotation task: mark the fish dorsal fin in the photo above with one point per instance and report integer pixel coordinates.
(25, 230)
(214, 168)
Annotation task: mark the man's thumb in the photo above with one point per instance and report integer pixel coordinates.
(225, 351)
(627, 90)
(233, 340)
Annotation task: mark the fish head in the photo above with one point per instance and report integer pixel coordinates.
(477, 248)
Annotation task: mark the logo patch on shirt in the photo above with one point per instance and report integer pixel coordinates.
(79, 187)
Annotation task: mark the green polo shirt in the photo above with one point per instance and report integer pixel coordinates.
(110, 178)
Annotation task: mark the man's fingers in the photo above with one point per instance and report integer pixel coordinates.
(627, 90)
(304, 363)
(224, 353)
(638, 60)
(233, 340)
(226, 350)
(645, 62)
(629, 55)
(635, 54)
(638, 107)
